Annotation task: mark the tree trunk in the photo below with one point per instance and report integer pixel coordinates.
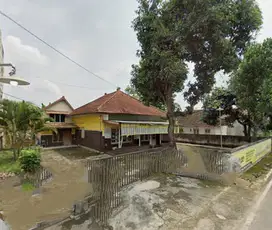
(13, 142)
(245, 130)
(249, 133)
(171, 120)
(14, 154)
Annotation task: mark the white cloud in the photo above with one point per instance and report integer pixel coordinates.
(16, 51)
(53, 88)
(99, 38)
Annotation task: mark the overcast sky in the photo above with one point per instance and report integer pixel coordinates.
(95, 33)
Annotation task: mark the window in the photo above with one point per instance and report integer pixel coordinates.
(196, 131)
(207, 131)
(114, 136)
(145, 138)
(62, 118)
(58, 117)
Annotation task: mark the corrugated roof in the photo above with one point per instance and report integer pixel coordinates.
(194, 120)
(118, 102)
(61, 125)
(57, 112)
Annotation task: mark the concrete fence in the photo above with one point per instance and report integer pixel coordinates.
(203, 139)
(110, 174)
(246, 156)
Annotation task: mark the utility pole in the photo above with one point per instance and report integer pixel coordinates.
(220, 122)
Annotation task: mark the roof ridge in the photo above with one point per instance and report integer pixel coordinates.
(114, 93)
(149, 106)
(57, 101)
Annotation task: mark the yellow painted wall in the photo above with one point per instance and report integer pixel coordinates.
(89, 122)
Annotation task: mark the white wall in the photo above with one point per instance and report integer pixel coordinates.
(61, 106)
(213, 130)
(236, 130)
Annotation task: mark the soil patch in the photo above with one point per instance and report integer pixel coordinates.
(56, 198)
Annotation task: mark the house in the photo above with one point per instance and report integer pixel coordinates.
(116, 120)
(193, 124)
(63, 129)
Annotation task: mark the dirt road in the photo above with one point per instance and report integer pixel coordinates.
(23, 210)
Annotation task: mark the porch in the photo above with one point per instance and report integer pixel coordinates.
(120, 134)
(62, 134)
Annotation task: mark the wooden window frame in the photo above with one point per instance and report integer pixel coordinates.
(116, 139)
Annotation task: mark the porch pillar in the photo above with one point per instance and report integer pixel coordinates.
(160, 139)
(139, 140)
(119, 138)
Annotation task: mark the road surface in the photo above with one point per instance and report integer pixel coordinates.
(263, 216)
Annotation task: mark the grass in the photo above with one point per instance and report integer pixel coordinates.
(259, 169)
(28, 186)
(7, 164)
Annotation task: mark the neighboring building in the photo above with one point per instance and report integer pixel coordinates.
(63, 127)
(193, 124)
(117, 119)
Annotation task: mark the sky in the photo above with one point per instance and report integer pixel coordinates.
(95, 33)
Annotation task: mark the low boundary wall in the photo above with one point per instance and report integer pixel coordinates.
(207, 139)
(244, 157)
(109, 174)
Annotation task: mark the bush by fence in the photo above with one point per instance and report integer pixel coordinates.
(30, 160)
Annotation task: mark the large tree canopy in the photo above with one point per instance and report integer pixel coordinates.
(252, 83)
(210, 33)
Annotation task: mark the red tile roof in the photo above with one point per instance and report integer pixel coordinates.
(57, 101)
(118, 102)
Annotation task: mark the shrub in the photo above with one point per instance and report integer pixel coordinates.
(30, 160)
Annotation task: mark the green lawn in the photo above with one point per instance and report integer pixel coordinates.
(259, 169)
(7, 164)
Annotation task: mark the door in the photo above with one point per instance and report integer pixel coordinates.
(158, 139)
(67, 137)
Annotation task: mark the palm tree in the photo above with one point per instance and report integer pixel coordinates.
(21, 121)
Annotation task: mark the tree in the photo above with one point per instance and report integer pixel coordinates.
(211, 34)
(223, 98)
(252, 84)
(130, 90)
(21, 121)
(216, 34)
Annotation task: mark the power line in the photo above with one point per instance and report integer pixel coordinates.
(70, 85)
(18, 98)
(55, 49)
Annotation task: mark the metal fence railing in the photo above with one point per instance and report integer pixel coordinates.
(109, 175)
